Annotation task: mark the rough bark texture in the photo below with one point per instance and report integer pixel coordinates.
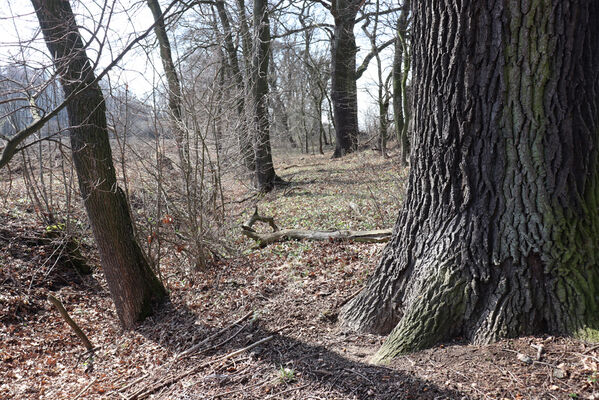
(132, 284)
(499, 234)
(265, 172)
(343, 76)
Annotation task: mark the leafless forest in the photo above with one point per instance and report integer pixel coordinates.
(311, 199)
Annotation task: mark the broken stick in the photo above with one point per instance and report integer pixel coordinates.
(281, 235)
(65, 315)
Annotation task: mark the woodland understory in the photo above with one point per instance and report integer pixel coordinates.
(261, 322)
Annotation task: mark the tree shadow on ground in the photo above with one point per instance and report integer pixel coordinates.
(316, 366)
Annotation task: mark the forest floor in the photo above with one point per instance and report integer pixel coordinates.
(281, 301)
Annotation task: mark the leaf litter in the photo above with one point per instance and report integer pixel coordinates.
(262, 325)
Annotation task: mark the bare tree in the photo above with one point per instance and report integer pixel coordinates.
(401, 68)
(344, 70)
(133, 285)
(265, 172)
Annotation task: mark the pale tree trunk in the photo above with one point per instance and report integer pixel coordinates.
(265, 172)
(499, 234)
(133, 285)
(243, 136)
(343, 76)
(401, 67)
(318, 107)
(279, 108)
(246, 40)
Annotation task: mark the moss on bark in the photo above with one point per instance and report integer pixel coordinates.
(499, 235)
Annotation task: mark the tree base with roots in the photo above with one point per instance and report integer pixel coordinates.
(499, 234)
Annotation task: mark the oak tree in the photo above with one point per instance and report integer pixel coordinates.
(499, 233)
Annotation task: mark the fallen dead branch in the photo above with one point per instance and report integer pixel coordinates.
(287, 391)
(277, 235)
(184, 354)
(65, 315)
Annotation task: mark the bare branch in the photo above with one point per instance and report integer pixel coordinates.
(364, 66)
(389, 11)
(11, 147)
(302, 29)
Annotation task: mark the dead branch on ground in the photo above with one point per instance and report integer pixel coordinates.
(65, 315)
(281, 235)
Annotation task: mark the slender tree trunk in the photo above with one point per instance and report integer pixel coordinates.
(324, 132)
(280, 110)
(265, 172)
(246, 40)
(133, 285)
(244, 139)
(400, 75)
(383, 98)
(331, 118)
(499, 235)
(174, 87)
(175, 102)
(321, 135)
(304, 117)
(343, 80)
(383, 122)
(166, 56)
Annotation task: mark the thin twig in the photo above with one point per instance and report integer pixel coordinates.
(591, 349)
(145, 393)
(85, 389)
(287, 391)
(196, 347)
(141, 378)
(245, 389)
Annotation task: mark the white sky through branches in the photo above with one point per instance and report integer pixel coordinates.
(109, 25)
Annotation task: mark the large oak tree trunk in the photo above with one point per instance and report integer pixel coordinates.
(132, 284)
(343, 76)
(499, 234)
